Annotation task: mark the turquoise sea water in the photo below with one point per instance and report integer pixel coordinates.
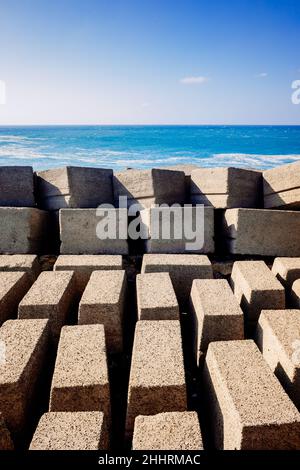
(119, 147)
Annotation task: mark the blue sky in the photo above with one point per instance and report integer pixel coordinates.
(149, 62)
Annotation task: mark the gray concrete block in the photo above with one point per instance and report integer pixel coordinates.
(159, 243)
(80, 380)
(74, 187)
(167, 431)
(157, 380)
(156, 299)
(25, 345)
(183, 269)
(278, 338)
(247, 407)
(103, 302)
(256, 288)
(81, 430)
(78, 233)
(84, 265)
(294, 296)
(24, 263)
(216, 312)
(13, 287)
(282, 186)
(23, 230)
(52, 297)
(147, 187)
(262, 232)
(226, 187)
(287, 270)
(16, 186)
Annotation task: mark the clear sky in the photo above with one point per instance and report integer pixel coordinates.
(149, 61)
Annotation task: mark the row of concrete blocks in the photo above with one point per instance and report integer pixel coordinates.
(79, 187)
(244, 231)
(259, 269)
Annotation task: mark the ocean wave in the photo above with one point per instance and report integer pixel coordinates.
(252, 160)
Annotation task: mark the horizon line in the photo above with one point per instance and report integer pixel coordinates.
(150, 125)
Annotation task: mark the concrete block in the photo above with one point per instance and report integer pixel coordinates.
(74, 187)
(294, 297)
(282, 187)
(13, 287)
(262, 232)
(16, 186)
(80, 380)
(167, 431)
(183, 269)
(160, 243)
(287, 270)
(147, 187)
(278, 338)
(6, 442)
(84, 265)
(23, 230)
(24, 343)
(25, 263)
(78, 232)
(103, 302)
(256, 288)
(187, 170)
(156, 299)
(226, 187)
(51, 296)
(248, 409)
(81, 430)
(216, 312)
(157, 380)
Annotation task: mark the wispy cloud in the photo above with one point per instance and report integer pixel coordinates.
(145, 104)
(193, 80)
(261, 75)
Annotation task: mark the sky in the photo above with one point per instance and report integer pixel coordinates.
(149, 62)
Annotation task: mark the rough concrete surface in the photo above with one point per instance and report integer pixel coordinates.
(28, 263)
(16, 186)
(156, 299)
(81, 430)
(167, 431)
(13, 287)
(248, 408)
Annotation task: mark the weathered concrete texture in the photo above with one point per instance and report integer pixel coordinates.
(6, 442)
(183, 269)
(23, 230)
(156, 299)
(157, 381)
(81, 430)
(278, 338)
(248, 409)
(282, 187)
(262, 232)
(79, 229)
(256, 288)
(295, 294)
(51, 296)
(226, 187)
(147, 187)
(216, 313)
(84, 265)
(80, 380)
(16, 186)
(187, 170)
(287, 270)
(74, 187)
(103, 302)
(156, 241)
(25, 344)
(13, 287)
(25, 263)
(167, 431)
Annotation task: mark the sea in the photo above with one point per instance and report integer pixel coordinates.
(120, 147)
